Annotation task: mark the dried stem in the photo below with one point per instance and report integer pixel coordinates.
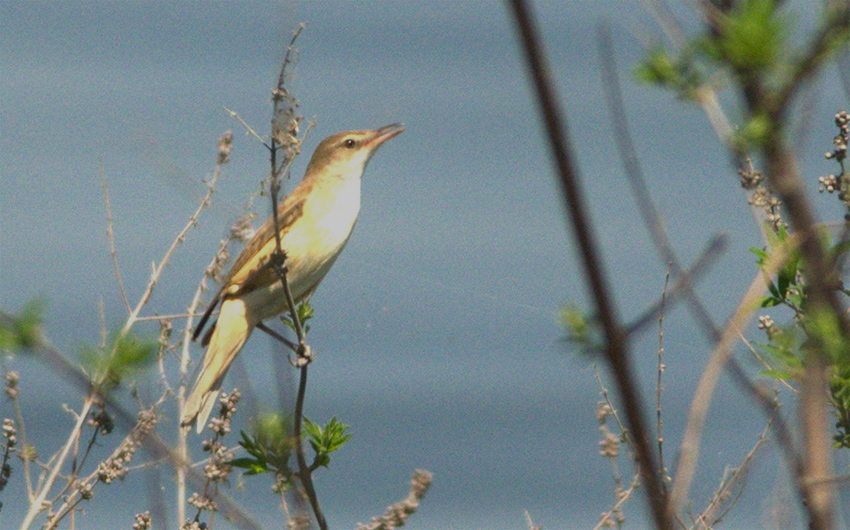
(224, 151)
(396, 515)
(38, 504)
(658, 390)
(689, 450)
(193, 221)
(707, 519)
(61, 365)
(110, 235)
(606, 519)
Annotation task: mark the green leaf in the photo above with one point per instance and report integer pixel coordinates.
(761, 255)
(752, 36)
(774, 291)
(305, 314)
(658, 68)
(251, 465)
(127, 355)
(24, 330)
(325, 440)
(680, 74)
(770, 301)
(755, 131)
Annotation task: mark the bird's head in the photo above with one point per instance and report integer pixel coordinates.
(345, 155)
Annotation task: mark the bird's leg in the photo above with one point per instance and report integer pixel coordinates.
(277, 336)
(304, 354)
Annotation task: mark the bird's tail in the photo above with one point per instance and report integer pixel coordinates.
(231, 331)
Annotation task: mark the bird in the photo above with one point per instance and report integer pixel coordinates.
(315, 221)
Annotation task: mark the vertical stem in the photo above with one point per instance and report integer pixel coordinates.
(37, 506)
(817, 464)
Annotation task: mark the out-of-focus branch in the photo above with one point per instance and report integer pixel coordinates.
(616, 347)
(678, 291)
(110, 235)
(723, 495)
(397, 514)
(73, 375)
(689, 449)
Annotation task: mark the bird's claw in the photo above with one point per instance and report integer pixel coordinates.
(304, 356)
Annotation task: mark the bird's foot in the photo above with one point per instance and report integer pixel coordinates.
(304, 356)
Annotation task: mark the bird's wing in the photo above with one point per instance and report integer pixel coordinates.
(246, 273)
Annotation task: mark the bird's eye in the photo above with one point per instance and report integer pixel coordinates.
(349, 143)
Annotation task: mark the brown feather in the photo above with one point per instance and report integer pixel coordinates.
(244, 275)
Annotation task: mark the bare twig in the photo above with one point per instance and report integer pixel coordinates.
(278, 337)
(689, 450)
(650, 215)
(59, 364)
(530, 523)
(38, 504)
(220, 257)
(624, 433)
(625, 495)
(397, 514)
(115, 466)
(616, 347)
(707, 518)
(110, 235)
(658, 409)
(637, 182)
(193, 220)
(681, 286)
(247, 127)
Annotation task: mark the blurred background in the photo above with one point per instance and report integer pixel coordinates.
(437, 330)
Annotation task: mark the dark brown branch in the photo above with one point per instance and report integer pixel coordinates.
(616, 348)
(688, 277)
(278, 263)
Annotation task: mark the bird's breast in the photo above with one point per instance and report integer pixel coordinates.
(312, 244)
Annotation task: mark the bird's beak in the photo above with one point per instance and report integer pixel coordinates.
(385, 133)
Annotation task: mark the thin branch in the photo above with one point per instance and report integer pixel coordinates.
(764, 363)
(616, 348)
(110, 235)
(247, 127)
(680, 289)
(658, 408)
(38, 505)
(624, 433)
(605, 521)
(277, 336)
(224, 151)
(193, 220)
(689, 449)
(721, 496)
(637, 181)
(397, 514)
(649, 212)
(59, 364)
(835, 21)
(284, 138)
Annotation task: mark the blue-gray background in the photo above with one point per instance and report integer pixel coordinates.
(437, 334)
